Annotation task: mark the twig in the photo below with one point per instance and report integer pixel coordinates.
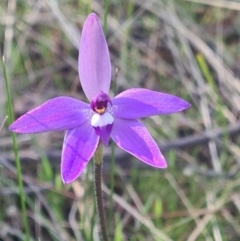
(201, 138)
(221, 4)
(3, 123)
(179, 143)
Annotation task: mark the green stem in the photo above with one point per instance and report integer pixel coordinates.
(15, 148)
(98, 156)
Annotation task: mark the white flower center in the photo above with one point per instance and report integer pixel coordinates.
(101, 120)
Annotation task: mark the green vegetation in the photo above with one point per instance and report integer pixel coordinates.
(186, 48)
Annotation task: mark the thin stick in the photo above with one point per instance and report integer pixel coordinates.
(98, 190)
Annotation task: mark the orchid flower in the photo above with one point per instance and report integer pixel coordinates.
(104, 118)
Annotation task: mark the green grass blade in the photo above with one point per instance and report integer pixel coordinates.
(105, 16)
(18, 164)
(112, 167)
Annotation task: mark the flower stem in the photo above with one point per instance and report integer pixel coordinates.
(98, 156)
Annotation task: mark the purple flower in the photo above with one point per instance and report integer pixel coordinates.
(104, 117)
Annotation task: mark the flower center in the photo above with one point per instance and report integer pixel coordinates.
(100, 102)
(102, 121)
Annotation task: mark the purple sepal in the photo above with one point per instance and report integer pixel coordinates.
(94, 61)
(78, 147)
(138, 103)
(133, 137)
(60, 113)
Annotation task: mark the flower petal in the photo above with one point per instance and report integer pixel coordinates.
(60, 113)
(133, 137)
(78, 147)
(103, 126)
(94, 61)
(138, 103)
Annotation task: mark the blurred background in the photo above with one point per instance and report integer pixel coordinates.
(187, 48)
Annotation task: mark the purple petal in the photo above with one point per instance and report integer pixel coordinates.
(60, 113)
(78, 147)
(134, 138)
(94, 61)
(139, 103)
